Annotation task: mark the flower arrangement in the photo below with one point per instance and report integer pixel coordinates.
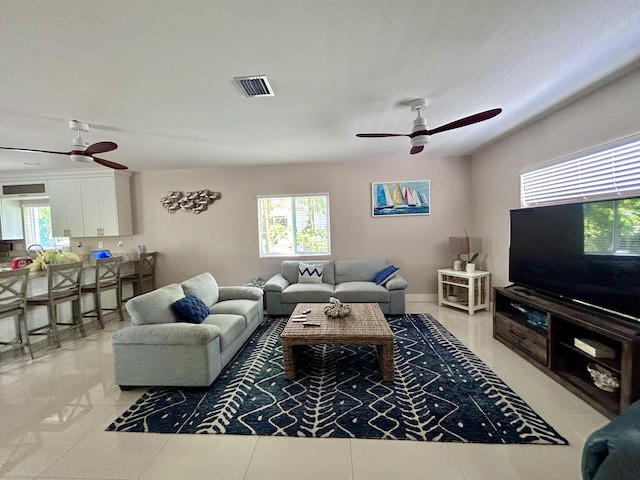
(51, 257)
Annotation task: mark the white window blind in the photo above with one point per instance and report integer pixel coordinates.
(294, 225)
(607, 172)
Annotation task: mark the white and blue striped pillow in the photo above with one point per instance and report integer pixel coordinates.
(310, 273)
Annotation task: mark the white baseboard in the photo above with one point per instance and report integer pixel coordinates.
(421, 297)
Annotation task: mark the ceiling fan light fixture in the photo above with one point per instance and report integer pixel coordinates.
(420, 140)
(74, 157)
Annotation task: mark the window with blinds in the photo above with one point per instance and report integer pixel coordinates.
(294, 225)
(608, 172)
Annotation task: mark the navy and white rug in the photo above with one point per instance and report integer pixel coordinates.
(442, 393)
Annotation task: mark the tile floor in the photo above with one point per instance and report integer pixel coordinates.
(53, 412)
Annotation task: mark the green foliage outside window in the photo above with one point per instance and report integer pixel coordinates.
(294, 225)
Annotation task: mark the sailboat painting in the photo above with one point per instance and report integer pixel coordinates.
(401, 198)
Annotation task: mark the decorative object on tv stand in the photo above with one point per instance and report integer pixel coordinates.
(458, 246)
(470, 266)
(603, 378)
(336, 308)
(194, 202)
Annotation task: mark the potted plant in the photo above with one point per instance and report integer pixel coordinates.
(470, 266)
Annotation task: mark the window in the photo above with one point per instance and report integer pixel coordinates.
(36, 219)
(294, 225)
(606, 172)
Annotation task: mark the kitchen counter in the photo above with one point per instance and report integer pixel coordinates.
(89, 263)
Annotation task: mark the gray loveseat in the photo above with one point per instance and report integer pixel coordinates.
(159, 350)
(350, 281)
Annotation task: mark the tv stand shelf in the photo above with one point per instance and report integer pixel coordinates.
(552, 349)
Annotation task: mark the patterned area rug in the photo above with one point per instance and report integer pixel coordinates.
(442, 393)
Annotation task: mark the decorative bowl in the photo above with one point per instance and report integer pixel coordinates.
(603, 378)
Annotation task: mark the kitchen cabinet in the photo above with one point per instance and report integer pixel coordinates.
(91, 206)
(106, 205)
(11, 219)
(66, 207)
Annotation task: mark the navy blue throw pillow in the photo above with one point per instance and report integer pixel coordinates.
(190, 309)
(384, 275)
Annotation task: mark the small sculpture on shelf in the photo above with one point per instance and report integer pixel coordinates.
(336, 309)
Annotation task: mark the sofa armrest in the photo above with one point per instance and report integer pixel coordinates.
(613, 451)
(235, 293)
(396, 283)
(277, 283)
(167, 334)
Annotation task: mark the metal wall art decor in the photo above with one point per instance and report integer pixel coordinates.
(401, 198)
(194, 202)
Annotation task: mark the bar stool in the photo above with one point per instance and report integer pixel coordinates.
(13, 303)
(145, 272)
(107, 278)
(63, 285)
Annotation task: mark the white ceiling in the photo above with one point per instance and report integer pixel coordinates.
(156, 76)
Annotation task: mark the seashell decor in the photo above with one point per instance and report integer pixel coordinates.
(194, 202)
(336, 308)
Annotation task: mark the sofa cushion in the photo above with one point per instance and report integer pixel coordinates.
(166, 334)
(290, 270)
(155, 306)
(358, 270)
(361, 292)
(203, 286)
(386, 274)
(249, 309)
(190, 309)
(310, 272)
(307, 293)
(231, 327)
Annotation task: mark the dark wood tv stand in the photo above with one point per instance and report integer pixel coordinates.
(552, 349)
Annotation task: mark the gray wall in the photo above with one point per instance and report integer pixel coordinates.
(224, 239)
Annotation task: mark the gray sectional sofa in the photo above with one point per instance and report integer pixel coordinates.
(162, 349)
(350, 281)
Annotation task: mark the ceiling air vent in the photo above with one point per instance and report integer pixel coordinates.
(255, 86)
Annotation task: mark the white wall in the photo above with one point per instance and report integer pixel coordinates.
(607, 114)
(224, 239)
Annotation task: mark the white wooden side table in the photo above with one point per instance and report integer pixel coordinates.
(464, 290)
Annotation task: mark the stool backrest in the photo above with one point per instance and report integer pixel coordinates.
(13, 290)
(147, 264)
(64, 278)
(108, 271)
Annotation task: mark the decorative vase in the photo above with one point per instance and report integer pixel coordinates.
(471, 267)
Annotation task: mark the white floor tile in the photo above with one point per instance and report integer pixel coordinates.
(277, 458)
(403, 460)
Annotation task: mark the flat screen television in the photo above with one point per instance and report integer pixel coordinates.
(588, 253)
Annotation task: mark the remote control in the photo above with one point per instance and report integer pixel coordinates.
(311, 324)
(306, 311)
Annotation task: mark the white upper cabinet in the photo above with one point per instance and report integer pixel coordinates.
(106, 205)
(91, 206)
(11, 219)
(66, 207)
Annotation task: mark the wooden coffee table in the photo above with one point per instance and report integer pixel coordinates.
(365, 325)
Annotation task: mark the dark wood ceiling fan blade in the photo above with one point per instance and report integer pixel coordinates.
(417, 149)
(379, 135)
(109, 163)
(463, 122)
(100, 147)
(34, 150)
